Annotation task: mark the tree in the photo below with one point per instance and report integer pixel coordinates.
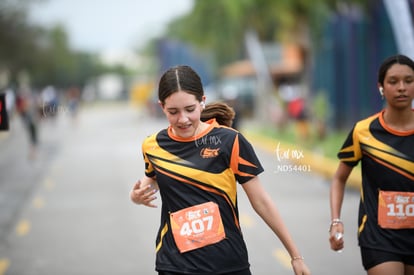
(42, 54)
(220, 26)
(17, 38)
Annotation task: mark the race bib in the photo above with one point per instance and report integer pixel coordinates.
(197, 226)
(396, 209)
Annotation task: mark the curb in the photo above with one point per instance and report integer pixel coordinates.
(324, 166)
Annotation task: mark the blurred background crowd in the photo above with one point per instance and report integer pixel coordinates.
(311, 64)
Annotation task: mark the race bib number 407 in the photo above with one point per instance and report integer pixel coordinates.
(396, 209)
(197, 226)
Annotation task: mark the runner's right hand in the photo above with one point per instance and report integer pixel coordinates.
(143, 194)
(336, 240)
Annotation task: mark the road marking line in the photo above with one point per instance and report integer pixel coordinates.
(38, 202)
(48, 184)
(246, 220)
(4, 135)
(4, 265)
(283, 257)
(23, 228)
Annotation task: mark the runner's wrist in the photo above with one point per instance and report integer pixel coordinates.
(334, 222)
(296, 258)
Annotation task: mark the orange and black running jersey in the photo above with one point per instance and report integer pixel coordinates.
(387, 163)
(204, 168)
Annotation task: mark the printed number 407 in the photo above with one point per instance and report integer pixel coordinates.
(400, 210)
(197, 226)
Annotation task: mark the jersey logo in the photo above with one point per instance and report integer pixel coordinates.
(206, 153)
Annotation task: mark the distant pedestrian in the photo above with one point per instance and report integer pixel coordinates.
(196, 166)
(73, 96)
(27, 110)
(383, 143)
(4, 119)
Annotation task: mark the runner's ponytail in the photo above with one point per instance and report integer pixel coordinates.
(223, 113)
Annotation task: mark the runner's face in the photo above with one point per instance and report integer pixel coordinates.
(399, 86)
(183, 112)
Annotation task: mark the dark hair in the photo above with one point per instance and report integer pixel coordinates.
(184, 78)
(223, 113)
(395, 59)
(180, 78)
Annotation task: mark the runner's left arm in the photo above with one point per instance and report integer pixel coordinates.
(337, 191)
(266, 209)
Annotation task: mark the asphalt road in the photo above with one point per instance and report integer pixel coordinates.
(67, 212)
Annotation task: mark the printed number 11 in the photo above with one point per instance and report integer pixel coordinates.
(402, 211)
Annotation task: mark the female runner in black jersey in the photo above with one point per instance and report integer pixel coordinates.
(384, 143)
(195, 164)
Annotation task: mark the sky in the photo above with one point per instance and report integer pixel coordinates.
(110, 26)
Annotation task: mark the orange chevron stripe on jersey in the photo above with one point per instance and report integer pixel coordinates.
(205, 188)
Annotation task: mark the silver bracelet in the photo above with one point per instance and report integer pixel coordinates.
(297, 258)
(334, 222)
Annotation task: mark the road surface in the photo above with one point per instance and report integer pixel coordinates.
(68, 212)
